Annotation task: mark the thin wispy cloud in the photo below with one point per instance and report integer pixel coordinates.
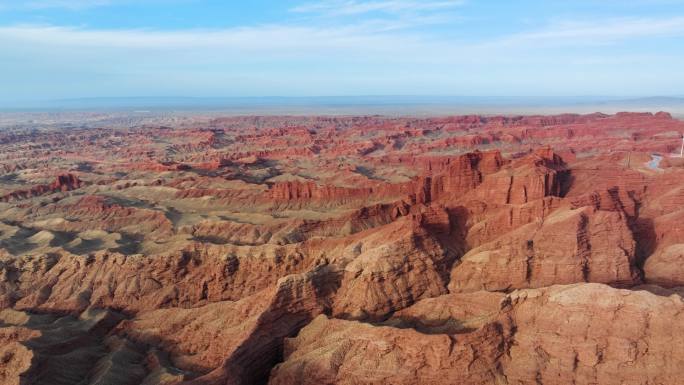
(351, 7)
(268, 38)
(370, 35)
(601, 31)
(377, 46)
(52, 4)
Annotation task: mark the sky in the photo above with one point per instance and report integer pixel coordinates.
(61, 49)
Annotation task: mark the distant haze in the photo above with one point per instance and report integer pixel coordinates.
(365, 105)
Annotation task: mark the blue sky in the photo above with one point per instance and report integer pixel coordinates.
(52, 49)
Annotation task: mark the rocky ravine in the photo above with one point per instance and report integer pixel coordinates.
(344, 251)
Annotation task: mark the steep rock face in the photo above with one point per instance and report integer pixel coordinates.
(580, 333)
(297, 194)
(72, 283)
(375, 260)
(329, 351)
(63, 183)
(603, 175)
(235, 341)
(489, 161)
(293, 304)
(66, 182)
(462, 175)
(400, 265)
(485, 223)
(612, 199)
(571, 245)
(222, 342)
(198, 339)
(665, 238)
(524, 191)
(594, 334)
(536, 176)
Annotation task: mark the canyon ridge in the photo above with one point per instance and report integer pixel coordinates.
(205, 250)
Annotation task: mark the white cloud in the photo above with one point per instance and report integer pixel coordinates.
(329, 58)
(371, 36)
(47, 4)
(604, 30)
(274, 38)
(354, 7)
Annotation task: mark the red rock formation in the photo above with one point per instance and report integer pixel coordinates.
(568, 246)
(665, 239)
(454, 313)
(392, 269)
(95, 212)
(595, 334)
(583, 333)
(66, 182)
(137, 283)
(16, 357)
(302, 194)
(330, 351)
(534, 177)
(238, 340)
(351, 250)
(62, 183)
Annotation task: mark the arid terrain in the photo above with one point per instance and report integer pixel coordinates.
(343, 250)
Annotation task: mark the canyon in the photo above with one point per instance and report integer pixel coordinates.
(343, 250)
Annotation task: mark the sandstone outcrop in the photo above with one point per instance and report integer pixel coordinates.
(235, 342)
(592, 333)
(62, 183)
(568, 246)
(391, 271)
(582, 333)
(346, 352)
(202, 250)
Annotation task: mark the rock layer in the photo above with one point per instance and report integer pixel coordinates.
(570, 245)
(341, 250)
(582, 333)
